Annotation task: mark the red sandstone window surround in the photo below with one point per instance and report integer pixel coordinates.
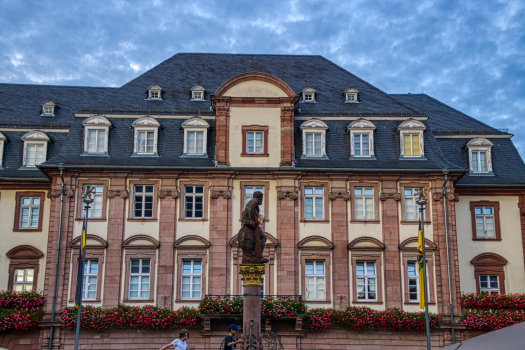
(489, 265)
(138, 273)
(194, 256)
(29, 211)
(485, 221)
(409, 208)
(359, 202)
(315, 260)
(411, 278)
(94, 255)
(314, 198)
(358, 276)
(98, 207)
(187, 207)
(255, 141)
(143, 200)
(23, 268)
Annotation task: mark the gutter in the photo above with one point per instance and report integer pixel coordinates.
(445, 172)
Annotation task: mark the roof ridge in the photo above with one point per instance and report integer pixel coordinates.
(61, 86)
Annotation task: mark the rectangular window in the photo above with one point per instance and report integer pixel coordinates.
(96, 140)
(197, 95)
(411, 145)
(48, 110)
(366, 279)
(193, 201)
(191, 279)
(95, 210)
(195, 142)
(248, 196)
(89, 285)
(361, 145)
(29, 212)
(254, 142)
(308, 97)
(413, 281)
(23, 280)
(313, 144)
(34, 154)
(489, 284)
(145, 142)
(410, 204)
(350, 97)
(154, 95)
(143, 201)
(364, 203)
(313, 203)
(479, 161)
(315, 280)
(139, 278)
(485, 227)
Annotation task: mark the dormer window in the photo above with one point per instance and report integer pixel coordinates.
(154, 92)
(2, 140)
(351, 95)
(411, 139)
(361, 139)
(48, 109)
(197, 93)
(96, 132)
(195, 137)
(314, 139)
(308, 95)
(480, 156)
(35, 148)
(146, 137)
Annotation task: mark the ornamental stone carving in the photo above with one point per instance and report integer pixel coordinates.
(220, 193)
(118, 193)
(342, 195)
(70, 193)
(395, 196)
(288, 194)
(168, 193)
(286, 111)
(252, 275)
(438, 196)
(53, 194)
(452, 197)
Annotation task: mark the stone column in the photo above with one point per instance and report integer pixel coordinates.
(287, 270)
(222, 125)
(287, 136)
(339, 221)
(392, 264)
(251, 320)
(116, 224)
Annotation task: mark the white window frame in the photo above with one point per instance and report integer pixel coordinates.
(143, 195)
(308, 95)
(155, 139)
(255, 134)
(353, 134)
(36, 143)
(421, 143)
(364, 198)
(316, 278)
(485, 216)
(154, 90)
(413, 199)
(488, 160)
(2, 140)
(30, 215)
(204, 140)
(191, 276)
(412, 277)
(87, 275)
(314, 126)
(197, 90)
(98, 198)
(86, 139)
(351, 96)
(194, 195)
(24, 282)
(46, 112)
(489, 289)
(140, 275)
(366, 277)
(315, 198)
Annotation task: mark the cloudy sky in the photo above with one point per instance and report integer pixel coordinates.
(469, 54)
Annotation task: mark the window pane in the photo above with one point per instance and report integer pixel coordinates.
(358, 191)
(415, 145)
(186, 267)
(477, 210)
(197, 267)
(318, 208)
(406, 145)
(358, 206)
(369, 207)
(487, 210)
(360, 268)
(408, 191)
(371, 268)
(199, 143)
(411, 267)
(309, 267)
(190, 146)
(308, 208)
(475, 161)
(482, 161)
(319, 268)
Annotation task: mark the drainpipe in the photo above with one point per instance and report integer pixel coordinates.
(61, 166)
(445, 172)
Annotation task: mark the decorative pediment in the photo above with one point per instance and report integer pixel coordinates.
(2, 137)
(195, 122)
(410, 244)
(192, 242)
(141, 242)
(48, 104)
(361, 124)
(24, 252)
(314, 124)
(366, 243)
(412, 124)
(154, 87)
(97, 120)
(479, 142)
(35, 136)
(92, 241)
(198, 88)
(351, 90)
(308, 90)
(145, 121)
(489, 259)
(315, 243)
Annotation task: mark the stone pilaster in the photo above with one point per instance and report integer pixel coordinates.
(287, 136)
(339, 225)
(222, 125)
(287, 269)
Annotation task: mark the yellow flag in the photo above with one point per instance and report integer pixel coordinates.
(420, 270)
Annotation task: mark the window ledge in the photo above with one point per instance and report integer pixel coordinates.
(490, 173)
(405, 222)
(412, 158)
(304, 101)
(487, 239)
(138, 300)
(190, 220)
(314, 221)
(198, 100)
(365, 221)
(323, 157)
(255, 155)
(153, 99)
(28, 168)
(91, 219)
(144, 155)
(366, 302)
(186, 155)
(85, 154)
(27, 230)
(141, 219)
(346, 101)
(317, 301)
(188, 301)
(371, 157)
(417, 303)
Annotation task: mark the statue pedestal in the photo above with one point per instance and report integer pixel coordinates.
(251, 323)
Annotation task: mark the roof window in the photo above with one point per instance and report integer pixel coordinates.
(48, 109)
(411, 138)
(197, 93)
(351, 95)
(154, 93)
(308, 95)
(480, 156)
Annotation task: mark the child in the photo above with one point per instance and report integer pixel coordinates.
(229, 340)
(179, 344)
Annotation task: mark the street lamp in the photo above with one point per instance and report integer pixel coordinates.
(422, 200)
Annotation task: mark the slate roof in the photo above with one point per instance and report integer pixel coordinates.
(20, 107)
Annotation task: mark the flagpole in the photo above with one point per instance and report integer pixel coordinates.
(422, 201)
(87, 199)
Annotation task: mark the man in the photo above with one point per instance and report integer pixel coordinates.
(229, 341)
(251, 236)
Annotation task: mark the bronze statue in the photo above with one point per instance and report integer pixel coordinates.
(251, 236)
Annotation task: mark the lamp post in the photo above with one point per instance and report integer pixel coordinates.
(422, 200)
(87, 198)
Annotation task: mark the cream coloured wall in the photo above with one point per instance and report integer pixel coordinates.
(510, 247)
(254, 88)
(240, 116)
(365, 230)
(12, 239)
